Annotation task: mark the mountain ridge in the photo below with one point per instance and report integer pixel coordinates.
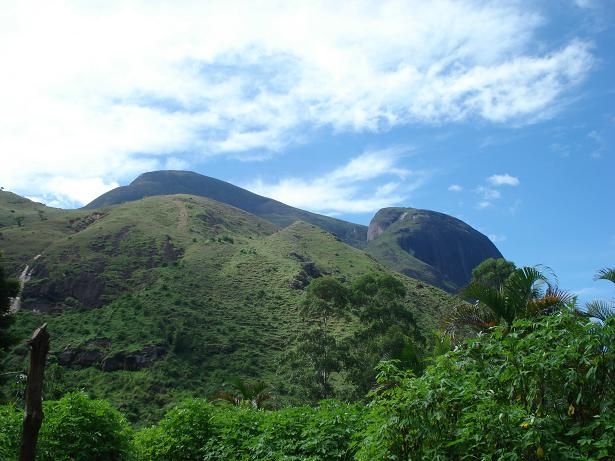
(167, 182)
(414, 251)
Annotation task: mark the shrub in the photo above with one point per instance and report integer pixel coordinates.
(78, 428)
(305, 433)
(181, 435)
(235, 431)
(539, 390)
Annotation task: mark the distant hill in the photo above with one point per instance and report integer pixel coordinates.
(433, 247)
(428, 245)
(154, 299)
(186, 182)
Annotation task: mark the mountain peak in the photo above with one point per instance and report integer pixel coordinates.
(409, 238)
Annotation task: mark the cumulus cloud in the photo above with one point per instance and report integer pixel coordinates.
(366, 183)
(455, 188)
(503, 180)
(488, 194)
(107, 90)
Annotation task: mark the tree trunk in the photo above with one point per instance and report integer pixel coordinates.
(33, 417)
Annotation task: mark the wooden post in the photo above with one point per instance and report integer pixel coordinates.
(33, 417)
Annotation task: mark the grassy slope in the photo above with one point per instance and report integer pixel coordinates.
(187, 182)
(221, 309)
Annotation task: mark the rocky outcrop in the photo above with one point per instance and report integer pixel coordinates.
(132, 361)
(96, 354)
(308, 272)
(80, 224)
(82, 288)
(447, 245)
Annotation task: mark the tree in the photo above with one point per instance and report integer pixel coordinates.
(492, 272)
(602, 310)
(388, 328)
(527, 292)
(326, 299)
(255, 394)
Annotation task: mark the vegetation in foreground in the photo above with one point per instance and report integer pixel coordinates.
(540, 388)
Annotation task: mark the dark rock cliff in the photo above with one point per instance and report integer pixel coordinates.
(446, 244)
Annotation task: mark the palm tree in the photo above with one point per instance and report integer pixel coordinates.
(527, 292)
(602, 310)
(256, 394)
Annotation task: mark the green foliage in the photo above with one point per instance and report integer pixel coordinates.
(256, 394)
(527, 292)
(326, 299)
(78, 428)
(10, 432)
(305, 433)
(387, 330)
(224, 433)
(492, 272)
(181, 435)
(543, 388)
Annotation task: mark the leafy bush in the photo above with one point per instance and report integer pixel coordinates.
(78, 428)
(305, 433)
(234, 432)
(181, 435)
(539, 390)
(196, 430)
(74, 428)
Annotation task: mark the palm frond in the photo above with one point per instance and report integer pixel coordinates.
(601, 310)
(493, 298)
(553, 300)
(468, 318)
(608, 273)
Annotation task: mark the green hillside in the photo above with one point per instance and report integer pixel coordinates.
(430, 246)
(187, 182)
(169, 296)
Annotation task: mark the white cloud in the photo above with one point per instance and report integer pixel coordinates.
(488, 193)
(72, 192)
(455, 188)
(584, 3)
(503, 180)
(108, 89)
(600, 143)
(484, 204)
(349, 188)
(496, 238)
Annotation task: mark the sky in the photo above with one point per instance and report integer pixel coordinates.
(501, 113)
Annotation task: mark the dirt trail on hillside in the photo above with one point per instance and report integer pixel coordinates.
(24, 277)
(182, 223)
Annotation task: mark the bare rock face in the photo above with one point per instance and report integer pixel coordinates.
(447, 245)
(95, 354)
(134, 360)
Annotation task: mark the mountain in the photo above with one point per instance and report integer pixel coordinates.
(170, 182)
(428, 245)
(155, 299)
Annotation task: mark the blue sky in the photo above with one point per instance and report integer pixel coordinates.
(501, 113)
